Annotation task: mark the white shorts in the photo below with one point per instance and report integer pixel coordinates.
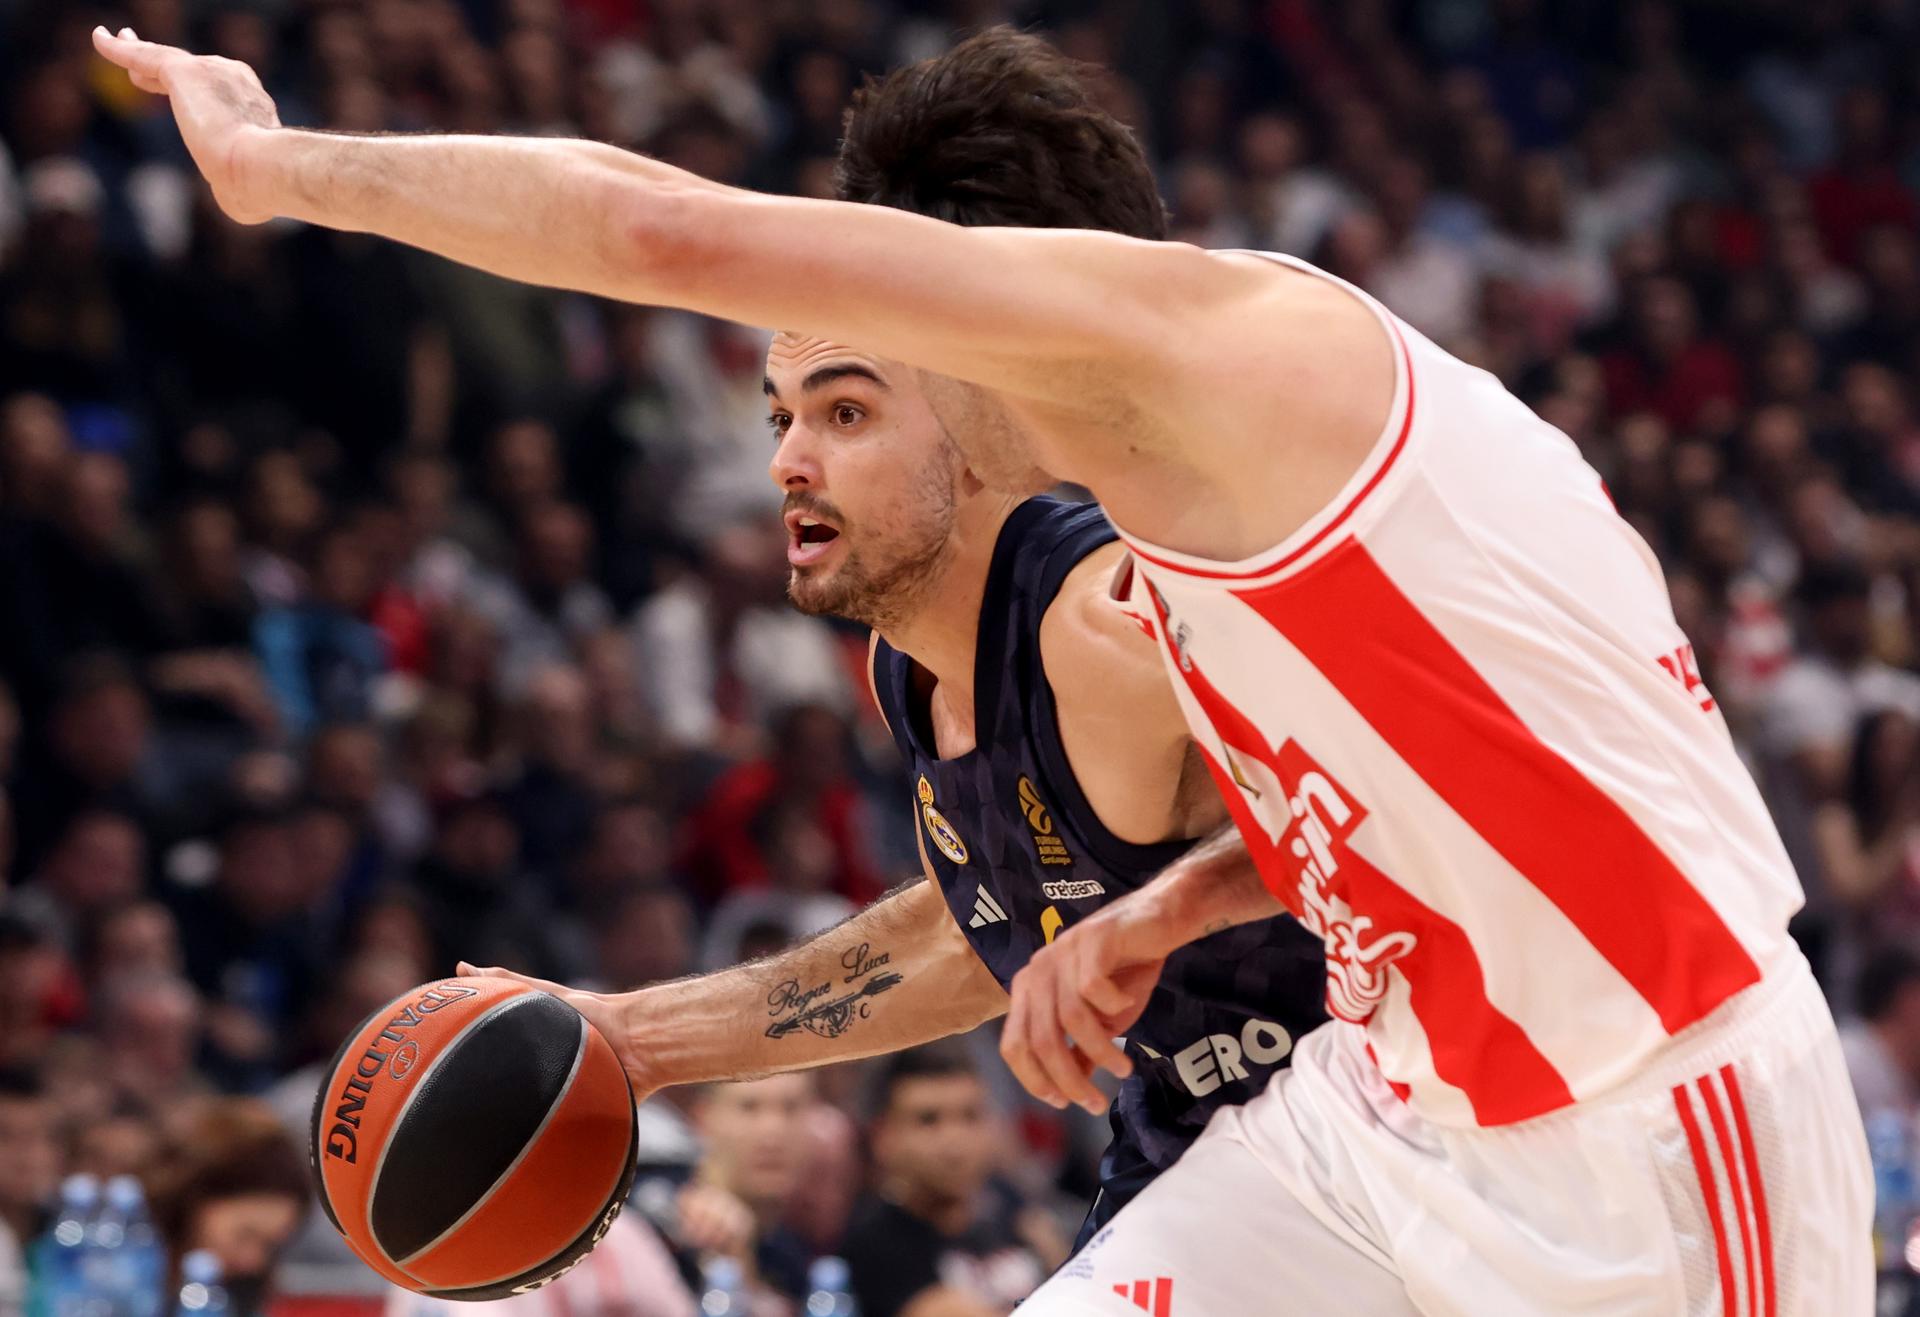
(1730, 1180)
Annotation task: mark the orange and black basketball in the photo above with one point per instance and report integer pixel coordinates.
(474, 1138)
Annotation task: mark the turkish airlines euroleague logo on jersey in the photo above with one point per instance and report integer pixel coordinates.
(1322, 817)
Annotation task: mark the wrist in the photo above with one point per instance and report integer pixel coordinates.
(1164, 913)
(252, 156)
(645, 1058)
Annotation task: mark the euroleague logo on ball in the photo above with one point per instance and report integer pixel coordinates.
(405, 1058)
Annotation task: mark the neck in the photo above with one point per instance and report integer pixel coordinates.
(940, 631)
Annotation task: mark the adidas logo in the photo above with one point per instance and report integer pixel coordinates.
(1150, 1296)
(986, 910)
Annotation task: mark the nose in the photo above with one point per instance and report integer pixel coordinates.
(796, 462)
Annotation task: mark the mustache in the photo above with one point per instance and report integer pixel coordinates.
(813, 505)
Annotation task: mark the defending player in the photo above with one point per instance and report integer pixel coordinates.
(1580, 1066)
(1052, 772)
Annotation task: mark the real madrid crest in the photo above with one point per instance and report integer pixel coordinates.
(938, 828)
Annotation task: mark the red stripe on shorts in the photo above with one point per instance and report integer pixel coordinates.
(1750, 1156)
(1724, 1139)
(1567, 837)
(1710, 1194)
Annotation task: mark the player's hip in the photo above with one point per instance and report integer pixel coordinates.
(1731, 1164)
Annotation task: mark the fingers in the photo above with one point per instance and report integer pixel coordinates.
(1016, 1043)
(1103, 994)
(141, 59)
(1092, 1037)
(1056, 1033)
(467, 971)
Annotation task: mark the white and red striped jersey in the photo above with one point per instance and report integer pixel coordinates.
(1469, 747)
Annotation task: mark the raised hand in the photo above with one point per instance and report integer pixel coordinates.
(218, 103)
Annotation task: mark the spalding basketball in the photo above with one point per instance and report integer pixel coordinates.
(474, 1138)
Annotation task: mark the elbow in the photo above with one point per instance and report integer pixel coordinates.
(661, 238)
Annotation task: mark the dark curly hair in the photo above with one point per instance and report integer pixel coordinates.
(1001, 130)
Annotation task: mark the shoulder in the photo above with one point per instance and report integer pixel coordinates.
(1087, 639)
(1109, 683)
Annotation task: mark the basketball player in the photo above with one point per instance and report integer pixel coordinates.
(1052, 772)
(1579, 1066)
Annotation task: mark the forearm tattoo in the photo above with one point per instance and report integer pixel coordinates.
(829, 1009)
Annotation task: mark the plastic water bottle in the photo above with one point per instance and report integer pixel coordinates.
(60, 1255)
(1890, 1145)
(131, 1264)
(200, 1292)
(829, 1292)
(723, 1288)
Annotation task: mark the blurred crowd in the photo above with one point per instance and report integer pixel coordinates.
(360, 613)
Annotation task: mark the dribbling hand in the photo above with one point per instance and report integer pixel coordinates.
(604, 1012)
(218, 103)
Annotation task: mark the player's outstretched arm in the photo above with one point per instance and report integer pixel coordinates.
(896, 974)
(1076, 995)
(1001, 307)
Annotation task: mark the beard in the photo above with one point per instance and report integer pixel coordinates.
(875, 595)
(880, 585)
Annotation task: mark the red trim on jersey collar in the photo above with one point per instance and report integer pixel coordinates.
(1399, 443)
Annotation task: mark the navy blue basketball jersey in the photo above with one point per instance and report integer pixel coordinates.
(1020, 854)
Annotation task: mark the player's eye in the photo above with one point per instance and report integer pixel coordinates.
(779, 422)
(847, 414)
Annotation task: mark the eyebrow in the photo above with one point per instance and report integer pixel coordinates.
(826, 375)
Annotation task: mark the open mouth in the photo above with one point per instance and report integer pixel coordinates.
(809, 539)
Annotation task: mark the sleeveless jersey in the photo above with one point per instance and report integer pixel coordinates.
(1469, 747)
(1019, 855)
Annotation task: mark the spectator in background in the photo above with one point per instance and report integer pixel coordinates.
(96, 864)
(1565, 286)
(645, 936)
(250, 942)
(1668, 368)
(39, 991)
(1869, 840)
(98, 749)
(742, 835)
(551, 605)
(719, 651)
(150, 1028)
(121, 1140)
(29, 1170)
(70, 584)
(798, 899)
(139, 937)
(553, 797)
(320, 654)
(232, 1182)
(755, 1155)
(481, 904)
(1883, 1044)
(1817, 702)
(937, 1233)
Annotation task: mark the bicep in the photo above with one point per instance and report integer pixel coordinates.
(1001, 307)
